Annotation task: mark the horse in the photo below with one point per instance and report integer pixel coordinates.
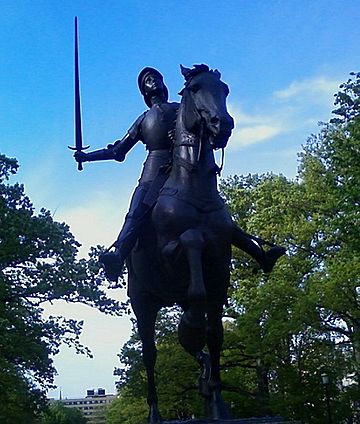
(184, 251)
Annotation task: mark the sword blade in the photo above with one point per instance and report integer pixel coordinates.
(78, 133)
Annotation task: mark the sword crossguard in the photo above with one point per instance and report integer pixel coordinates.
(80, 167)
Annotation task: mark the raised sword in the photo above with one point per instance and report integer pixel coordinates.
(78, 133)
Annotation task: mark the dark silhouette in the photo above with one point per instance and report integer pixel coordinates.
(178, 233)
(156, 129)
(183, 254)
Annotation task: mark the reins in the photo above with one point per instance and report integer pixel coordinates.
(190, 141)
(220, 168)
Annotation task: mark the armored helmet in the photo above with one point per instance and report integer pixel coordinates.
(141, 78)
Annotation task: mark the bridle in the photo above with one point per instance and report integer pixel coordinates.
(190, 139)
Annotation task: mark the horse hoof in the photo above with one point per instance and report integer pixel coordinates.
(154, 416)
(217, 408)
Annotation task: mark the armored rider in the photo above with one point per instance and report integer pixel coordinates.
(155, 128)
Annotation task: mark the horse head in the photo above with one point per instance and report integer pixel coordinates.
(205, 96)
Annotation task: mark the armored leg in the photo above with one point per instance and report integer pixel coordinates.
(266, 259)
(113, 261)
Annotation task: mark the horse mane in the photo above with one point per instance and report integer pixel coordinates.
(189, 73)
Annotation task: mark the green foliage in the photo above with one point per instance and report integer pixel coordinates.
(37, 264)
(57, 413)
(127, 409)
(304, 318)
(348, 101)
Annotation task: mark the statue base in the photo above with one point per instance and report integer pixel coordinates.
(255, 420)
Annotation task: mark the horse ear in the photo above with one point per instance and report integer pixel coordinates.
(185, 71)
(217, 73)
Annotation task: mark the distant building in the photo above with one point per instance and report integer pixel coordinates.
(92, 406)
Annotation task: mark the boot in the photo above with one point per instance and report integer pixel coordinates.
(113, 264)
(253, 246)
(270, 257)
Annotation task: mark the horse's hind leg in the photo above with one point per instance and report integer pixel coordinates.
(192, 327)
(146, 311)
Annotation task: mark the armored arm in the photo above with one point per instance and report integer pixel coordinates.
(116, 151)
(102, 154)
(121, 147)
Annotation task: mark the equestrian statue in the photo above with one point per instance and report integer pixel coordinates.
(177, 236)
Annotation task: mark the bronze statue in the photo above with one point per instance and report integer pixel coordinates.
(178, 233)
(184, 256)
(155, 128)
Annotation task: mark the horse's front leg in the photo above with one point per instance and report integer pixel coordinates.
(214, 340)
(146, 311)
(192, 327)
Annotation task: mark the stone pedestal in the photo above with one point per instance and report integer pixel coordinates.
(257, 420)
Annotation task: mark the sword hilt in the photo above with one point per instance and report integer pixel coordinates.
(80, 167)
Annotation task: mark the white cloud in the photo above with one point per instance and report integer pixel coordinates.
(299, 106)
(255, 134)
(252, 129)
(318, 86)
(96, 222)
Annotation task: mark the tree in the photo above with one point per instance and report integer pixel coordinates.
(37, 264)
(309, 306)
(57, 413)
(330, 169)
(269, 330)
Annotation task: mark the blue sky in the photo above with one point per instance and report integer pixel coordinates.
(283, 61)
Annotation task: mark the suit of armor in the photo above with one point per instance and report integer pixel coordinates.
(154, 128)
